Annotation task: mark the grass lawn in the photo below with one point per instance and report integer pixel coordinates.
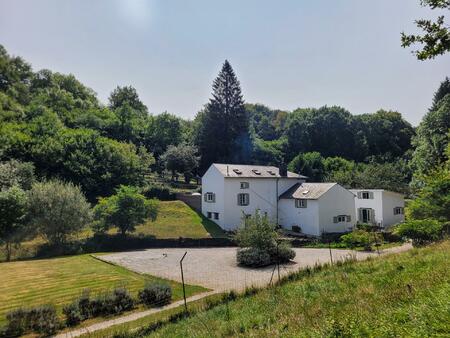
(404, 295)
(58, 281)
(176, 219)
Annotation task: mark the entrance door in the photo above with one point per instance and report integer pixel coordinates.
(366, 215)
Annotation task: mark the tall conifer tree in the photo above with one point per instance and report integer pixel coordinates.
(224, 130)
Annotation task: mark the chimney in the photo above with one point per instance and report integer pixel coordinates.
(283, 169)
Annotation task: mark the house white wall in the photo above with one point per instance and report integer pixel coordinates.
(390, 201)
(213, 181)
(383, 204)
(306, 218)
(262, 195)
(336, 201)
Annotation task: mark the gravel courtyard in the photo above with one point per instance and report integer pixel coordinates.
(216, 268)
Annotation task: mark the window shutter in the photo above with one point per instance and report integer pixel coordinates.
(214, 198)
(372, 215)
(360, 216)
(349, 219)
(371, 195)
(359, 194)
(394, 211)
(204, 197)
(335, 219)
(238, 200)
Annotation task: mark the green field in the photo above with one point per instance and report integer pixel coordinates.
(60, 280)
(405, 295)
(176, 219)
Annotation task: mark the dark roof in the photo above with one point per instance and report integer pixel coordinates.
(252, 171)
(309, 191)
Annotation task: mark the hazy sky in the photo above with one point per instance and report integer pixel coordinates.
(287, 54)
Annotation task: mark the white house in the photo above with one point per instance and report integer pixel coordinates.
(315, 208)
(378, 206)
(232, 190)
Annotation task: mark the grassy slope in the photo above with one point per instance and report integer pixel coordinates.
(60, 280)
(400, 295)
(176, 219)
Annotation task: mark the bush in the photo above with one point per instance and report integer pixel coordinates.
(115, 302)
(258, 239)
(367, 227)
(358, 238)
(421, 232)
(73, 314)
(253, 257)
(155, 294)
(160, 192)
(41, 319)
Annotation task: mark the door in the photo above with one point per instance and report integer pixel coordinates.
(366, 215)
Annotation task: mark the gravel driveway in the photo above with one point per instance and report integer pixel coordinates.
(216, 268)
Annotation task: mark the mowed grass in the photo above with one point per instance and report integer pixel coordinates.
(404, 295)
(176, 219)
(58, 281)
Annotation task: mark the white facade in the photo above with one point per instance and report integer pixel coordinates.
(328, 208)
(382, 207)
(224, 183)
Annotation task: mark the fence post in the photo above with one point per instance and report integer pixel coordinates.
(182, 280)
(329, 248)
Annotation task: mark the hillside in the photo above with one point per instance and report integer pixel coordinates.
(400, 295)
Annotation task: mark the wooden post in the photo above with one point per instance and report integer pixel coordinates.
(182, 280)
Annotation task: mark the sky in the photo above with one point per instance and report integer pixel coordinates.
(286, 54)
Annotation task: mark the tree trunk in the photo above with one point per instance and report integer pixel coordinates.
(8, 251)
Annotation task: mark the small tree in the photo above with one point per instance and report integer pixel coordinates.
(181, 159)
(12, 211)
(57, 210)
(124, 210)
(260, 242)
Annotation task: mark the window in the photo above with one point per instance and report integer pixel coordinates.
(300, 203)
(256, 172)
(366, 215)
(341, 218)
(216, 215)
(365, 195)
(210, 197)
(244, 185)
(398, 211)
(243, 199)
(209, 214)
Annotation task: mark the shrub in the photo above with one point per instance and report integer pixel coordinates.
(115, 302)
(258, 239)
(160, 192)
(358, 238)
(155, 294)
(253, 257)
(41, 319)
(73, 314)
(421, 232)
(367, 227)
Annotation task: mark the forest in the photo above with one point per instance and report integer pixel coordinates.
(56, 127)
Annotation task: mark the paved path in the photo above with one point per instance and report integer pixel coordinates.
(214, 268)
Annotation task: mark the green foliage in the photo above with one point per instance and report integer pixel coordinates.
(57, 210)
(224, 129)
(41, 319)
(13, 202)
(16, 173)
(181, 159)
(268, 152)
(155, 294)
(260, 243)
(361, 238)
(421, 232)
(127, 96)
(308, 164)
(162, 131)
(432, 138)
(433, 198)
(436, 34)
(126, 209)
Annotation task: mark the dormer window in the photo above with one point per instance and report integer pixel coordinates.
(256, 172)
(271, 172)
(305, 192)
(237, 171)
